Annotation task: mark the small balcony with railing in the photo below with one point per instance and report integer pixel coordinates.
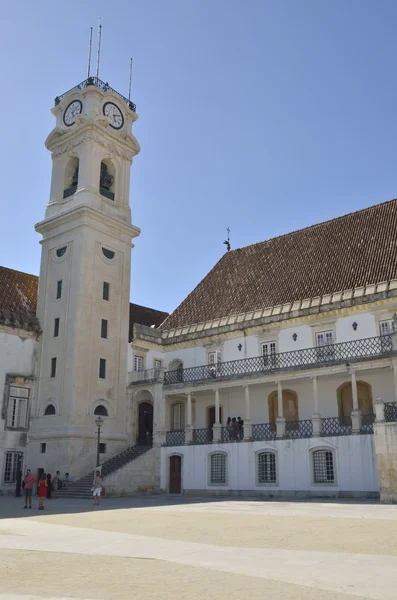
(307, 358)
(147, 376)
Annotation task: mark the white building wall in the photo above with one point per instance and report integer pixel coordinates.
(354, 462)
(17, 358)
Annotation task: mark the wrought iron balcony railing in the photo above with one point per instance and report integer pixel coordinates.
(354, 351)
(175, 437)
(99, 84)
(367, 423)
(390, 411)
(147, 376)
(330, 427)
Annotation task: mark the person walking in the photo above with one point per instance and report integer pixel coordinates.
(55, 484)
(97, 488)
(49, 486)
(42, 493)
(27, 485)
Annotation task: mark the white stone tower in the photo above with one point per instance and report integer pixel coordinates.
(84, 289)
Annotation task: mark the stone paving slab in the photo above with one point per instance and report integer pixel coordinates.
(149, 548)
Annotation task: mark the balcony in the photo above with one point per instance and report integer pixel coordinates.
(95, 81)
(307, 358)
(330, 427)
(147, 376)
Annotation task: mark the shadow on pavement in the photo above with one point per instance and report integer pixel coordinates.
(12, 507)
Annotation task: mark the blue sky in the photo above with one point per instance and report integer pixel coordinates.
(265, 116)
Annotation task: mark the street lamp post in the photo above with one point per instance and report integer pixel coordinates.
(98, 423)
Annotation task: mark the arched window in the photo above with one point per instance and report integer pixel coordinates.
(178, 416)
(290, 406)
(50, 410)
(107, 179)
(71, 177)
(323, 466)
(101, 411)
(266, 467)
(218, 468)
(176, 366)
(345, 400)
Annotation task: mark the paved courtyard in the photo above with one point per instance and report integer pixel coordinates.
(165, 548)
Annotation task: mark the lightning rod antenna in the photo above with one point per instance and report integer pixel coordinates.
(129, 87)
(99, 47)
(89, 56)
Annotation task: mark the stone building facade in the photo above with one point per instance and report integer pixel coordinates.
(292, 341)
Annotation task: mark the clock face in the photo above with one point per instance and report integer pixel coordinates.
(114, 115)
(69, 116)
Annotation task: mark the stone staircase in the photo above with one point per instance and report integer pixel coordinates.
(82, 487)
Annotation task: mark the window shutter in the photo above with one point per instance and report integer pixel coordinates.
(22, 409)
(211, 358)
(219, 357)
(10, 412)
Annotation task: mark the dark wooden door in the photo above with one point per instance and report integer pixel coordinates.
(211, 420)
(175, 474)
(145, 427)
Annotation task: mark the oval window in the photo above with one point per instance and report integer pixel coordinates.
(61, 251)
(108, 253)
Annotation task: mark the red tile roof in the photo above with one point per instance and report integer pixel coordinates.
(18, 297)
(18, 291)
(145, 316)
(351, 251)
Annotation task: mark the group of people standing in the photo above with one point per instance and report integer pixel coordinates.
(47, 487)
(235, 428)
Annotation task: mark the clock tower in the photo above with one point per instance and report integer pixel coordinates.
(84, 289)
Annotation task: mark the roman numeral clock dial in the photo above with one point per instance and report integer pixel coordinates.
(72, 110)
(114, 115)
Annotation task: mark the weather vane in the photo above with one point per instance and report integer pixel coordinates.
(227, 242)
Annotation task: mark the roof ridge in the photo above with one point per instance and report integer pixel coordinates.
(20, 272)
(313, 226)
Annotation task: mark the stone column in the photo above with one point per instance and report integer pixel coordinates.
(395, 379)
(188, 426)
(379, 410)
(280, 422)
(247, 416)
(356, 413)
(216, 429)
(316, 417)
(159, 414)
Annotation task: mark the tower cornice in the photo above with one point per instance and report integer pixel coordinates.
(60, 141)
(85, 215)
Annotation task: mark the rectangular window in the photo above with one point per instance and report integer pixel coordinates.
(269, 354)
(218, 463)
(386, 327)
(104, 329)
(325, 345)
(56, 327)
(17, 408)
(138, 363)
(178, 420)
(157, 365)
(323, 467)
(59, 289)
(102, 448)
(267, 467)
(102, 368)
(214, 363)
(106, 290)
(53, 367)
(43, 447)
(12, 460)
